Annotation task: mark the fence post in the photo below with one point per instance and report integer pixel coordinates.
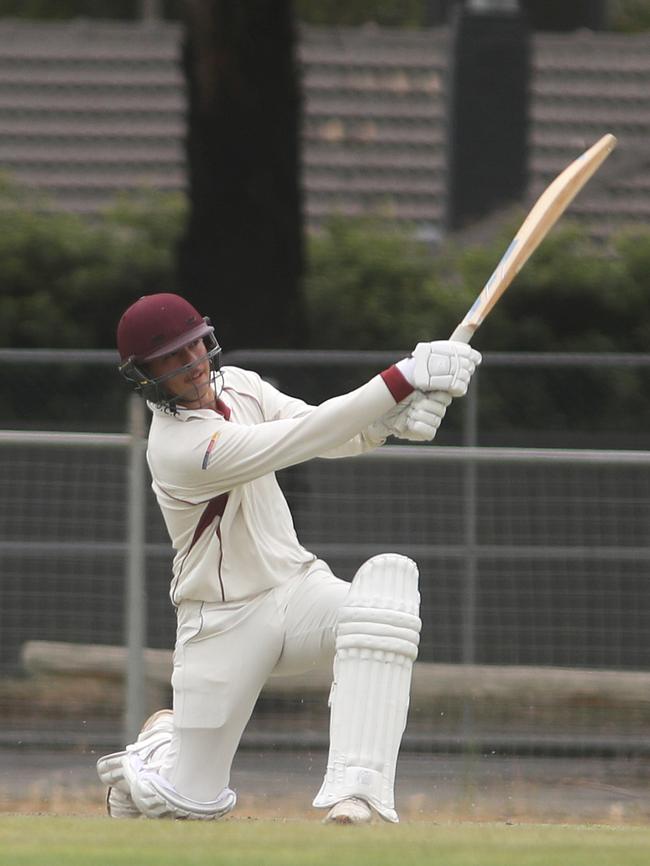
(470, 440)
(470, 577)
(135, 594)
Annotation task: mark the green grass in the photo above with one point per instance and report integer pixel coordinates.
(59, 841)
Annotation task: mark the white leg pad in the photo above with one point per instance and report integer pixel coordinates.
(155, 797)
(376, 644)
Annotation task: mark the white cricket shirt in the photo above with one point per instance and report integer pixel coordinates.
(213, 476)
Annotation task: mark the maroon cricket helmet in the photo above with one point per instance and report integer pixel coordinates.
(156, 325)
(159, 325)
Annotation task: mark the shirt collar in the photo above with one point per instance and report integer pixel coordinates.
(183, 414)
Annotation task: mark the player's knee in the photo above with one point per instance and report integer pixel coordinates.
(388, 580)
(388, 569)
(381, 610)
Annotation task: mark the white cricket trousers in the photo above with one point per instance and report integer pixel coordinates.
(225, 653)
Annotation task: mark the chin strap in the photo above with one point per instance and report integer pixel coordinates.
(153, 390)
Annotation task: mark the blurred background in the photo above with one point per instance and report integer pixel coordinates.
(331, 182)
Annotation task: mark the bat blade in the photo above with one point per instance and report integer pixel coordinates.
(546, 211)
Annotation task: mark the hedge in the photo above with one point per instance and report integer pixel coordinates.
(65, 279)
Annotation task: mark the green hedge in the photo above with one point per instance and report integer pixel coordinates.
(372, 286)
(64, 279)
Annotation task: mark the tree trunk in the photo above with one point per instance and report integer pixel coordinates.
(241, 259)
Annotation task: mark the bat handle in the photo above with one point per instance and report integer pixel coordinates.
(463, 333)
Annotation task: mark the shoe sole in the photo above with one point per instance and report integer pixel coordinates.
(354, 814)
(343, 820)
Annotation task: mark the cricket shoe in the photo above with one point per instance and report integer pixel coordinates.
(349, 811)
(151, 746)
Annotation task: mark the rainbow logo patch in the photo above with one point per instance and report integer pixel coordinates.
(209, 450)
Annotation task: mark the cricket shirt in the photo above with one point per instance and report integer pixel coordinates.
(213, 474)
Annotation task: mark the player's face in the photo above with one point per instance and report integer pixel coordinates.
(192, 385)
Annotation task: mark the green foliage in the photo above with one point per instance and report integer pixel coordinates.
(63, 9)
(370, 285)
(575, 294)
(373, 287)
(64, 279)
(629, 16)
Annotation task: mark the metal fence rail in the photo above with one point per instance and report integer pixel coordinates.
(133, 548)
(530, 556)
(313, 374)
(467, 549)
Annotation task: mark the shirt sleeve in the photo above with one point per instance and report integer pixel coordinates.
(220, 455)
(278, 405)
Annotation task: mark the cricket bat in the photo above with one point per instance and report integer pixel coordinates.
(546, 211)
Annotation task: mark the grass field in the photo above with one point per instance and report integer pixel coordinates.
(68, 841)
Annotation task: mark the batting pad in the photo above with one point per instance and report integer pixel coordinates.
(376, 644)
(155, 797)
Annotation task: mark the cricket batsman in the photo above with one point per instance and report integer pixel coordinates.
(251, 601)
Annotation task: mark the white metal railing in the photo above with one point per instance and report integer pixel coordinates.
(319, 358)
(469, 551)
(135, 544)
(470, 457)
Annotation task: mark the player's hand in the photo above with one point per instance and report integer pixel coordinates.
(443, 365)
(416, 418)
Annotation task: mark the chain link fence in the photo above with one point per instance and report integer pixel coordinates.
(534, 560)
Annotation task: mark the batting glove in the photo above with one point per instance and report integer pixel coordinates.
(444, 365)
(416, 418)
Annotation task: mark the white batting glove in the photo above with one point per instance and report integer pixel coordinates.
(416, 418)
(444, 365)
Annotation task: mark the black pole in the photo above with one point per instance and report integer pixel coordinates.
(241, 258)
(487, 112)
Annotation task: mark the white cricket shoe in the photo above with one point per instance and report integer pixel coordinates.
(349, 811)
(150, 746)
